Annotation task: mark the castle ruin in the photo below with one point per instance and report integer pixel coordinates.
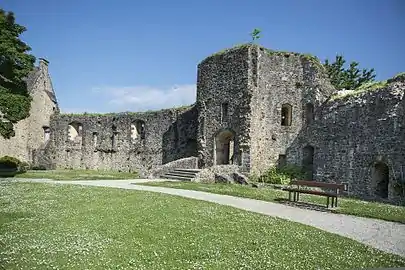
(255, 108)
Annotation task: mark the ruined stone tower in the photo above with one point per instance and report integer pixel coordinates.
(33, 132)
(253, 102)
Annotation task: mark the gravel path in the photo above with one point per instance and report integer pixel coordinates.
(383, 235)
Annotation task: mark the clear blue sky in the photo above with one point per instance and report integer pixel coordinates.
(142, 54)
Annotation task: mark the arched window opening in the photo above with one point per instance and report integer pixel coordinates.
(95, 137)
(286, 115)
(47, 133)
(137, 130)
(75, 130)
(308, 161)
(380, 177)
(309, 113)
(224, 147)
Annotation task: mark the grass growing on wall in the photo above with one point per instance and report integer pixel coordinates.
(368, 87)
(74, 227)
(399, 76)
(308, 57)
(95, 114)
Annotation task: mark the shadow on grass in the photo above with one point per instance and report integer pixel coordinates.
(304, 205)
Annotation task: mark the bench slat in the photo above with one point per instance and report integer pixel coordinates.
(316, 184)
(305, 183)
(313, 192)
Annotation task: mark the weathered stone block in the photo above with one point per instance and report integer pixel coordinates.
(240, 178)
(223, 178)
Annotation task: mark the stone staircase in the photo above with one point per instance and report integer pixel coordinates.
(180, 174)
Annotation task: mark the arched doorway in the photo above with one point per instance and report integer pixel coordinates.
(137, 130)
(224, 147)
(75, 132)
(308, 161)
(381, 176)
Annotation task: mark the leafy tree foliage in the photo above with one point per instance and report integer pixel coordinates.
(255, 34)
(347, 78)
(15, 65)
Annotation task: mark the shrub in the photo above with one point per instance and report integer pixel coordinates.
(293, 171)
(39, 168)
(8, 162)
(24, 166)
(282, 175)
(399, 189)
(253, 178)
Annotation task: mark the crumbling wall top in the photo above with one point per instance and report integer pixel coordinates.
(313, 60)
(126, 114)
(391, 88)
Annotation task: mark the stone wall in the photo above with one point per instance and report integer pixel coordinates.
(355, 133)
(254, 83)
(288, 80)
(223, 102)
(30, 133)
(119, 141)
(255, 108)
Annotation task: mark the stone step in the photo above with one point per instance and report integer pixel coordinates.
(181, 173)
(195, 171)
(182, 178)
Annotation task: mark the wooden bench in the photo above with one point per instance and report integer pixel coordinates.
(332, 190)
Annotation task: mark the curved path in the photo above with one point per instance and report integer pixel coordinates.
(383, 235)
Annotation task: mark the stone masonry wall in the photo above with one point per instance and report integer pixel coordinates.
(17, 145)
(30, 132)
(283, 78)
(353, 133)
(240, 93)
(223, 78)
(106, 143)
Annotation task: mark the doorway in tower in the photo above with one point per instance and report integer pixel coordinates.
(308, 161)
(225, 147)
(380, 177)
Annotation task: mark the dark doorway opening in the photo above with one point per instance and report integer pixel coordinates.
(308, 161)
(380, 176)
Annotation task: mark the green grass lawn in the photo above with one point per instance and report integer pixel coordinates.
(44, 226)
(346, 206)
(78, 175)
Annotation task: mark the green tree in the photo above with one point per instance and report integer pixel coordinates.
(15, 65)
(347, 78)
(255, 34)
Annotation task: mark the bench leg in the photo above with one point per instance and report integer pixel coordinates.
(336, 201)
(327, 202)
(289, 195)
